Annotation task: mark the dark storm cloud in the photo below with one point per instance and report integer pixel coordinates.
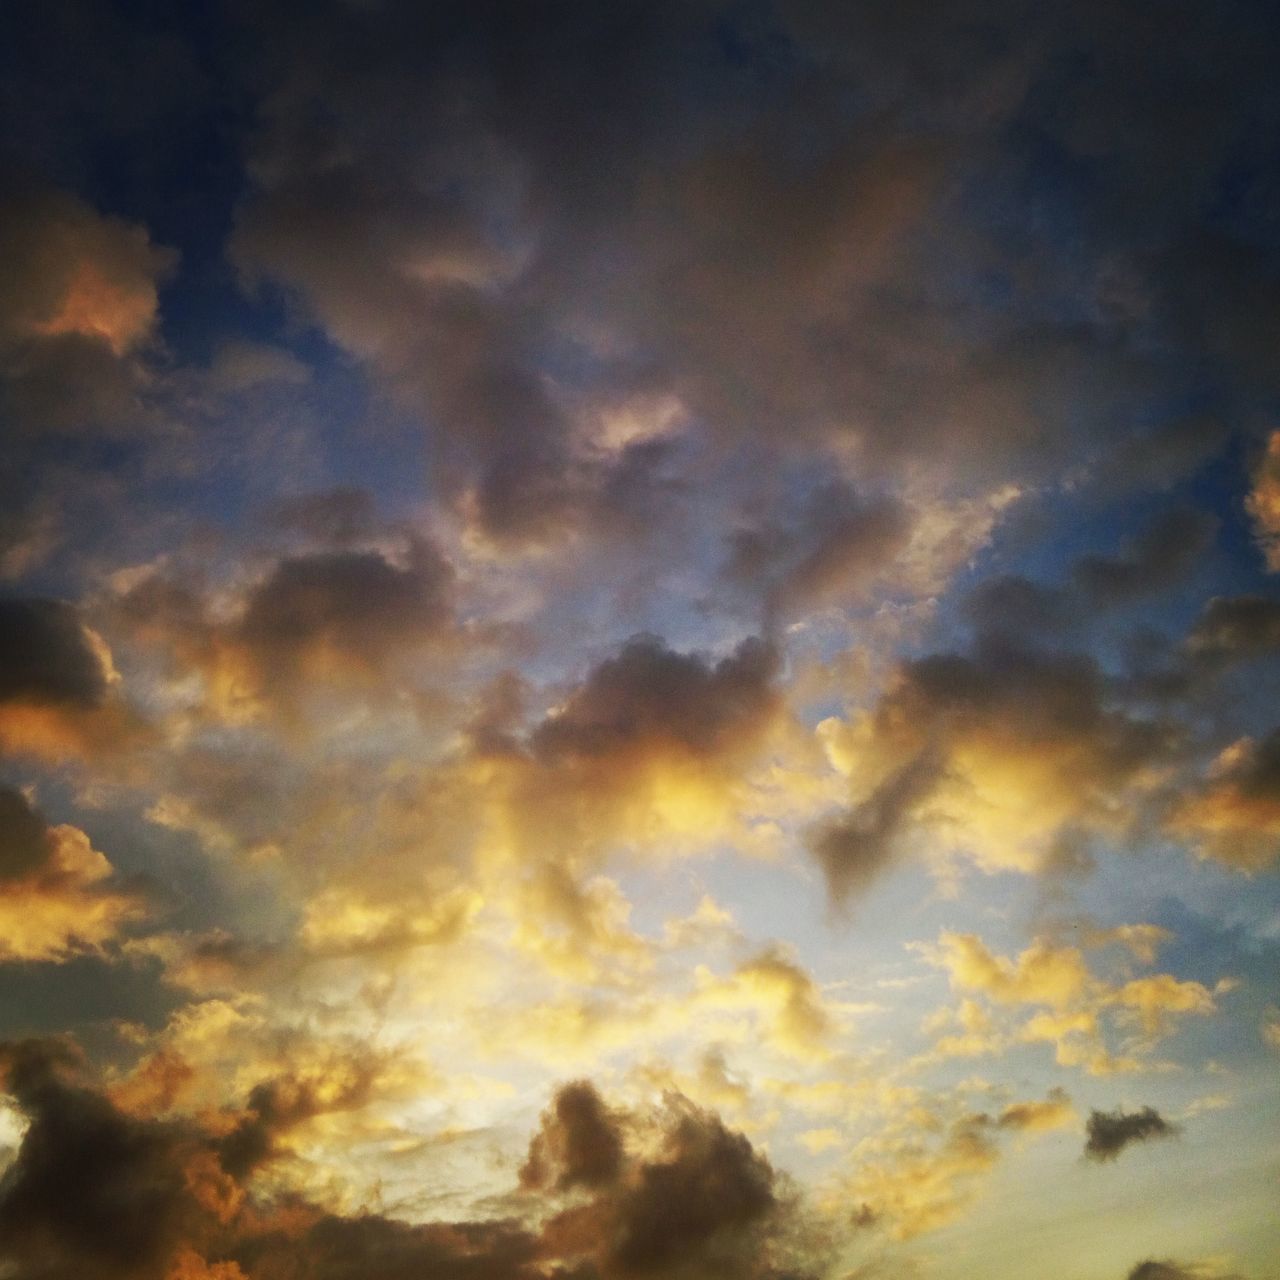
(650, 696)
(856, 847)
(356, 604)
(315, 621)
(1110, 1132)
(24, 837)
(830, 553)
(1158, 557)
(1231, 627)
(337, 1248)
(1009, 753)
(45, 655)
(98, 1193)
(92, 1192)
(579, 1143)
(787, 218)
(702, 1199)
(281, 1104)
(1167, 1269)
(707, 1205)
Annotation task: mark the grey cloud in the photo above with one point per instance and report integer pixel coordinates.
(24, 837)
(831, 552)
(855, 848)
(1237, 627)
(1167, 1269)
(1159, 556)
(45, 655)
(1110, 1132)
(579, 1143)
(649, 694)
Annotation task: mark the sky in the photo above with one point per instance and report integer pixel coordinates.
(638, 640)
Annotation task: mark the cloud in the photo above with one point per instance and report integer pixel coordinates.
(48, 656)
(1159, 556)
(831, 553)
(1110, 1132)
(1170, 1270)
(317, 621)
(1233, 815)
(1066, 1004)
(856, 847)
(649, 694)
(996, 756)
(91, 1192)
(78, 306)
(924, 1170)
(59, 695)
(59, 896)
(1236, 627)
(77, 273)
(100, 1193)
(579, 1143)
(1263, 502)
(1167, 1269)
(652, 748)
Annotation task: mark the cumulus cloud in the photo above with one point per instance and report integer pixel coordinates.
(101, 1193)
(1157, 558)
(59, 896)
(81, 299)
(58, 684)
(48, 656)
(1167, 1269)
(314, 621)
(579, 1143)
(923, 1172)
(1263, 502)
(1237, 627)
(1233, 816)
(1062, 1002)
(997, 755)
(1110, 1132)
(651, 694)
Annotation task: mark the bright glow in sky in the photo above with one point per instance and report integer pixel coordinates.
(639, 641)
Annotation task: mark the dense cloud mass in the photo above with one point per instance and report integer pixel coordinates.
(1110, 1132)
(46, 656)
(97, 1192)
(638, 641)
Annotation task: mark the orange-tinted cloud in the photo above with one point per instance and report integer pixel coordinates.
(59, 896)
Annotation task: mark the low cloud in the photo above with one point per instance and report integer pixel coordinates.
(1110, 1132)
(1233, 814)
(100, 1193)
(59, 896)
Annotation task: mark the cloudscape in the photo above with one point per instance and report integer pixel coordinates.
(638, 640)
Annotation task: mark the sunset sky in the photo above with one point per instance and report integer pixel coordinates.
(638, 640)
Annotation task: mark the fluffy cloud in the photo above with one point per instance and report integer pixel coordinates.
(1263, 502)
(314, 621)
(1110, 1132)
(1234, 815)
(1237, 627)
(81, 299)
(919, 1175)
(1167, 1269)
(58, 895)
(58, 694)
(997, 755)
(1066, 1004)
(100, 1193)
